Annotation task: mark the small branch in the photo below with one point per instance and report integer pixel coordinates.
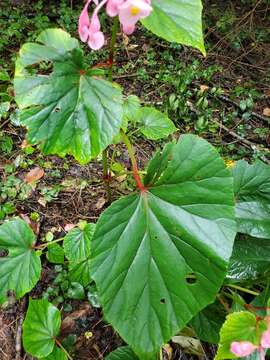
(18, 339)
(63, 349)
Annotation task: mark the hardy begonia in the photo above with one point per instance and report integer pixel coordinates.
(242, 348)
(129, 12)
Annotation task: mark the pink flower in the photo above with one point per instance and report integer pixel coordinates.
(131, 11)
(84, 23)
(265, 340)
(242, 348)
(112, 7)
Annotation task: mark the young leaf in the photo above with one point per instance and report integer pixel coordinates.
(80, 271)
(40, 328)
(250, 258)
(122, 353)
(71, 110)
(131, 106)
(177, 21)
(239, 326)
(57, 354)
(77, 243)
(55, 254)
(154, 124)
(20, 268)
(160, 256)
(252, 191)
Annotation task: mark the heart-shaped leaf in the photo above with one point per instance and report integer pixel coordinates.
(40, 328)
(20, 268)
(153, 124)
(160, 256)
(252, 191)
(71, 110)
(55, 254)
(122, 353)
(177, 21)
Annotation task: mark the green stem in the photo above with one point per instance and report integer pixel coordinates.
(112, 46)
(240, 288)
(106, 175)
(43, 246)
(63, 349)
(131, 153)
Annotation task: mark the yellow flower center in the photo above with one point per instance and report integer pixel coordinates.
(134, 10)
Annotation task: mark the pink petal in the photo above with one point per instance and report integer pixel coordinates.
(242, 348)
(265, 341)
(95, 24)
(132, 11)
(128, 29)
(112, 7)
(84, 23)
(96, 40)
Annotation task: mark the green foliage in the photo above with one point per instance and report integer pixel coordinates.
(40, 328)
(250, 258)
(122, 353)
(177, 21)
(81, 111)
(20, 268)
(57, 354)
(55, 254)
(137, 234)
(252, 191)
(239, 326)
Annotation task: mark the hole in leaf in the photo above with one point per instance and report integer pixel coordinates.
(163, 301)
(3, 253)
(57, 109)
(191, 278)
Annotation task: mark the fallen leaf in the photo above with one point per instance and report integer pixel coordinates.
(34, 175)
(203, 88)
(266, 111)
(35, 226)
(189, 344)
(73, 321)
(100, 203)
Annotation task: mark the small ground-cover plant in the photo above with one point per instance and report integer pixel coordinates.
(159, 255)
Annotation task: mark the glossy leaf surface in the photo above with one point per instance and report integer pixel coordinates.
(252, 191)
(160, 256)
(177, 21)
(71, 110)
(239, 326)
(20, 268)
(41, 325)
(250, 258)
(57, 354)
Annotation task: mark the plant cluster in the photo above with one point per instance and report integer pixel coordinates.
(156, 259)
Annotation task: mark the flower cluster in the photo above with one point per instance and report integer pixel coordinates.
(129, 12)
(246, 348)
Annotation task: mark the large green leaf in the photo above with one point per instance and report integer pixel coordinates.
(252, 191)
(239, 326)
(122, 353)
(40, 328)
(69, 111)
(20, 269)
(160, 256)
(177, 21)
(57, 354)
(250, 258)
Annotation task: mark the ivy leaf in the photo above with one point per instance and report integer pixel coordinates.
(160, 256)
(40, 328)
(181, 22)
(252, 191)
(239, 326)
(78, 241)
(153, 124)
(250, 259)
(208, 322)
(122, 353)
(57, 354)
(71, 110)
(20, 269)
(55, 254)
